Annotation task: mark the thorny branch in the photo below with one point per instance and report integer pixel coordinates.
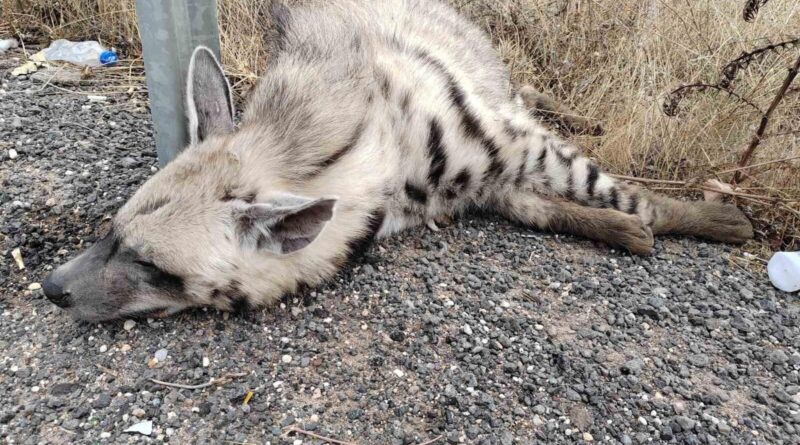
(674, 98)
(745, 159)
(751, 9)
(732, 69)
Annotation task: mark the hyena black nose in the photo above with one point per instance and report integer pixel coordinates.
(55, 292)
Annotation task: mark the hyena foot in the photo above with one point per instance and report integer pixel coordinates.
(711, 220)
(610, 226)
(725, 223)
(557, 114)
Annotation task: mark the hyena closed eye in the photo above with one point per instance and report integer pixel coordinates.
(372, 117)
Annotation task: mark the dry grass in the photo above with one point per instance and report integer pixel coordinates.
(611, 60)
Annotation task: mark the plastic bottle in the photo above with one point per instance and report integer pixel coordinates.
(784, 271)
(79, 53)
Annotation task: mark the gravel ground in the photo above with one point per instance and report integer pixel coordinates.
(484, 333)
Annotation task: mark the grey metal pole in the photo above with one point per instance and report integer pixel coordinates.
(170, 30)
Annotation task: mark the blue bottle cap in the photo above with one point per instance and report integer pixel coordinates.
(108, 58)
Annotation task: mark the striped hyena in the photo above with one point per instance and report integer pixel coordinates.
(372, 117)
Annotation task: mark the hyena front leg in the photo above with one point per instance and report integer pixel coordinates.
(552, 166)
(610, 226)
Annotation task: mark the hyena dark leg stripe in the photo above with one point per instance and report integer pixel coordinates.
(558, 168)
(582, 181)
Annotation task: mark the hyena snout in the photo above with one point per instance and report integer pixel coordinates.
(55, 291)
(92, 286)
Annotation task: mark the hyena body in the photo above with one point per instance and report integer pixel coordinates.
(372, 117)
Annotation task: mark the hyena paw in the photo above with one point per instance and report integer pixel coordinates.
(630, 233)
(725, 223)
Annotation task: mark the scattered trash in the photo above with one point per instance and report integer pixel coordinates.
(7, 44)
(12, 154)
(80, 53)
(144, 428)
(97, 98)
(34, 286)
(17, 255)
(247, 398)
(108, 58)
(31, 66)
(715, 189)
(784, 271)
(86, 54)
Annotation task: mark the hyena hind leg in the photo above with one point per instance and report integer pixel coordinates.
(610, 226)
(563, 118)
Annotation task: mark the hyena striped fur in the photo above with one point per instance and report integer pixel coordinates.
(372, 117)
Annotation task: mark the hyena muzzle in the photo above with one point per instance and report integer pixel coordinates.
(372, 117)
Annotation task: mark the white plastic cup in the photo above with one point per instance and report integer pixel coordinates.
(784, 271)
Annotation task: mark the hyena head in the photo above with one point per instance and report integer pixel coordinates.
(186, 236)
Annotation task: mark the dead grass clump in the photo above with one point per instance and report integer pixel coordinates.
(611, 60)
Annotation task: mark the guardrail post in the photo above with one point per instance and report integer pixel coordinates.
(170, 30)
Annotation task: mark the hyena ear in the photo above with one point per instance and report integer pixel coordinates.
(282, 225)
(209, 105)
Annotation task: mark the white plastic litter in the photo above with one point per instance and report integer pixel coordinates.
(79, 53)
(7, 44)
(784, 271)
(144, 428)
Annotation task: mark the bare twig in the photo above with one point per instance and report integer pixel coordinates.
(432, 441)
(732, 69)
(674, 98)
(649, 181)
(66, 430)
(66, 123)
(220, 381)
(690, 185)
(762, 164)
(745, 159)
(294, 429)
(108, 371)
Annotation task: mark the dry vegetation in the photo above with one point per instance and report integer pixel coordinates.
(611, 60)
